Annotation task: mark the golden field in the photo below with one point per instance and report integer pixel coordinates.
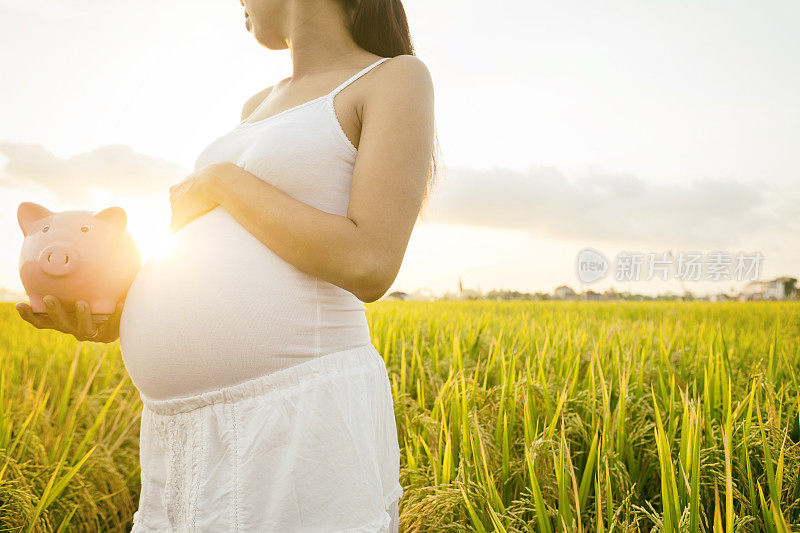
(512, 416)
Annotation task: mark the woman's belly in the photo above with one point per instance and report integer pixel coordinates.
(223, 308)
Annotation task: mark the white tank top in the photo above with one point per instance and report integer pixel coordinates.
(223, 308)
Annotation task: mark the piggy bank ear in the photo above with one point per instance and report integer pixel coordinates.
(115, 216)
(28, 213)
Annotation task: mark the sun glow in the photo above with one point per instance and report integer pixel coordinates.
(151, 234)
(158, 246)
(148, 222)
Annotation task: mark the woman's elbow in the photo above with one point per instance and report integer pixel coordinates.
(373, 279)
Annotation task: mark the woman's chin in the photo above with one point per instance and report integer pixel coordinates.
(271, 43)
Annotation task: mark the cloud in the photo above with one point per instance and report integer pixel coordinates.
(599, 208)
(113, 167)
(612, 208)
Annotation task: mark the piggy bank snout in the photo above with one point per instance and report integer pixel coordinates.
(59, 260)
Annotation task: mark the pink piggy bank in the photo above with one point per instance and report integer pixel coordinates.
(76, 255)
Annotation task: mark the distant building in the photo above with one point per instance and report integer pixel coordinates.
(564, 293)
(397, 295)
(591, 295)
(422, 295)
(768, 290)
(611, 294)
(719, 297)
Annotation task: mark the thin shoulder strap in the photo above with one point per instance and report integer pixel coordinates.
(357, 75)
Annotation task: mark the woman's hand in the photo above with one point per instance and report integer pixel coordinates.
(81, 325)
(189, 199)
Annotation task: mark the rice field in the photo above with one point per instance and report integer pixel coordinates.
(512, 416)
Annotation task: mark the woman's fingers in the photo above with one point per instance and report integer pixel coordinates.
(187, 198)
(189, 208)
(82, 327)
(175, 196)
(37, 321)
(178, 190)
(175, 222)
(111, 327)
(57, 314)
(84, 315)
(178, 208)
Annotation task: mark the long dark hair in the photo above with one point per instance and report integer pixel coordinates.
(381, 27)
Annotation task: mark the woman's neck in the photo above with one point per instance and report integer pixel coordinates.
(318, 38)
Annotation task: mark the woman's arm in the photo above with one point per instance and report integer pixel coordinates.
(361, 252)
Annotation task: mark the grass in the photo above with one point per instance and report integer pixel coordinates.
(68, 432)
(512, 416)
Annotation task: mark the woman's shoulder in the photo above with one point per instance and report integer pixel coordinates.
(254, 101)
(405, 67)
(405, 75)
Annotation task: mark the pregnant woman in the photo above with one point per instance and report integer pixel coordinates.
(266, 406)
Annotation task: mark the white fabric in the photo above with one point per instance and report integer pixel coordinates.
(311, 448)
(394, 512)
(266, 407)
(223, 307)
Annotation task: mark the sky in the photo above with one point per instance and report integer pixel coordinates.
(621, 126)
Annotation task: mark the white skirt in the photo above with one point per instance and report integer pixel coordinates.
(312, 447)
